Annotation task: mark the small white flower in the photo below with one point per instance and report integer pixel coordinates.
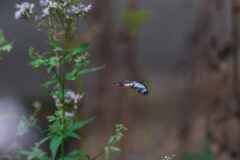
(78, 9)
(71, 96)
(75, 107)
(87, 8)
(43, 3)
(69, 114)
(23, 9)
(167, 157)
(37, 105)
(57, 102)
(45, 12)
(53, 4)
(73, 10)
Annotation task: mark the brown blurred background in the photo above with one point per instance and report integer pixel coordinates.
(185, 51)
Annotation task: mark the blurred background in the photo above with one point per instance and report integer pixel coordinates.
(185, 51)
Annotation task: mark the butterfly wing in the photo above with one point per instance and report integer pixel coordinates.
(125, 83)
(139, 87)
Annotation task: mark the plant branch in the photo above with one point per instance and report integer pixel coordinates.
(100, 154)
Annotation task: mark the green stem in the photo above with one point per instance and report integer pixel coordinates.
(62, 87)
(62, 83)
(100, 154)
(62, 151)
(60, 72)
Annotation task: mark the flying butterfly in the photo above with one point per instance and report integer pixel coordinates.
(138, 86)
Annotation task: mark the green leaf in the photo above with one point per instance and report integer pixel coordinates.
(76, 155)
(81, 124)
(107, 153)
(115, 149)
(51, 118)
(50, 83)
(112, 140)
(37, 60)
(72, 76)
(54, 145)
(90, 70)
(119, 133)
(55, 45)
(38, 63)
(24, 152)
(82, 49)
(72, 135)
(2, 38)
(53, 61)
(42, 141)
(34, 154)
(76, 73)
(5, 46)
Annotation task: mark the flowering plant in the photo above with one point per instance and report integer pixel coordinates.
(65, 61)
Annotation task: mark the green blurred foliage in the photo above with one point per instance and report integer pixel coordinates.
(203, 154)
(134, 19)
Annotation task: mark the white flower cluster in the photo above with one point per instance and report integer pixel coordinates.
(69, 114)
(79, 9)
(24, 9)
(37, 105)
(70, 98)
(71, 10)
(47, 6)
(43, 3)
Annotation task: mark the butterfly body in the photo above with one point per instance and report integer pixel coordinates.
(139, 87)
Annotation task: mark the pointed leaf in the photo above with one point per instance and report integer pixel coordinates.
(5, 46)
(72, 135)
(115, 149)
(89, 70)
(82, 49)
(54, 145)
(81, 124)
(75, 155)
